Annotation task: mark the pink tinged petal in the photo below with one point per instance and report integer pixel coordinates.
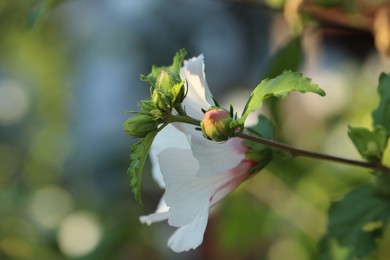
(186, 194)
(168, 137)
(236, 175)
(215, 158)
(160, 214)
(199, 95)
(190, 236)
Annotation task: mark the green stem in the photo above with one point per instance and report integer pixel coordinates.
(299, 152)
(183, 119)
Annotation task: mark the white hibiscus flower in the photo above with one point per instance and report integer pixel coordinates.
(195, 172)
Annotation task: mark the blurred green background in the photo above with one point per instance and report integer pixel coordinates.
(68, 71)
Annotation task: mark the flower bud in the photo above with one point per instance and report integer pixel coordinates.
(216, 124)
(147, 105)
(162, 100)
(140, 125)
(166, 80)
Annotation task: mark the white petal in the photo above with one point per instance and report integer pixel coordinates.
(185, 193)
(199, 95)
(190, 236)
(168, 137)
(215, 158)
(160, 214)
(154, 217)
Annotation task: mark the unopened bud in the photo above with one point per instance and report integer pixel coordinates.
(162, 100)
(147, 105)
(166, 80)
(216, 124)
(140, 125)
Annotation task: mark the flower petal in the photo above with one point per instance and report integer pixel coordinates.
(215, 158)
(199, 95)
(160, 214)
(185, 193)
(190, 236)
(168, 137)
(154, 217)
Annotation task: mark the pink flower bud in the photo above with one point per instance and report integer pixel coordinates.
(216, 124)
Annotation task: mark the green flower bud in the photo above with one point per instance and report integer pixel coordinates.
(140, 125)
(147, 105)
(216, 124)
(162, 100)
(166, 80)
(178, 93)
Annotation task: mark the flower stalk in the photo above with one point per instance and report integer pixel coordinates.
(310, 154)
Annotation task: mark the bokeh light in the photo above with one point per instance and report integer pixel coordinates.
(14, 102)
(79, 234)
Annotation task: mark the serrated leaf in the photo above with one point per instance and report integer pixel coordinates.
(280, 87)
(174, 68)
(370, 144)
(352, 219)
(381, 115)
(138, 155)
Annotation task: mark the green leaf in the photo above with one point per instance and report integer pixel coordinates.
(280, 87)
(174, 68)
(356, 222)
(382, 113)
(138, 154)
(370, 144)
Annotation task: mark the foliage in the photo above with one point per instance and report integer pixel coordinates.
(138, 155)
(358, 220)
(381, 115)
(278, 87)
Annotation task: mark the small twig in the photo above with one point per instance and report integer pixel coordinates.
(299, 152)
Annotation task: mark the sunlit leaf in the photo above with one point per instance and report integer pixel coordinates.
(381, 115)
(279, 87)
(357, 221)
(370, 144)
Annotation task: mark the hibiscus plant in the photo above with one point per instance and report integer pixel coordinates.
(200, 152)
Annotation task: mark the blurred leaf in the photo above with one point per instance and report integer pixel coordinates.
(381, 115)
(40, 12)
(174, 68)
(263, 128)
(260, 153)
(279, 87)
(288, 57)
(234, 212)
(138, 154)
(370, 145)
(356, 222)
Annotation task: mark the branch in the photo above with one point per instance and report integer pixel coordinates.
(299, 152)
